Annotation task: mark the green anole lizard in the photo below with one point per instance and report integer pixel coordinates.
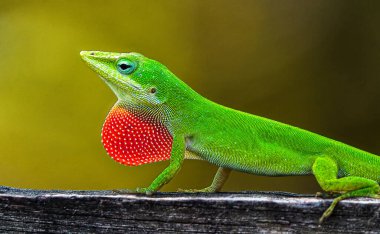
(158, 117)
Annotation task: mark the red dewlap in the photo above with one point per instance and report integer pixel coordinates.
(133, 139)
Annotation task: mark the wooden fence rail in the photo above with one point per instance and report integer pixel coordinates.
(251, 212)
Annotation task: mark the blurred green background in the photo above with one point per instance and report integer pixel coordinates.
(313, 64)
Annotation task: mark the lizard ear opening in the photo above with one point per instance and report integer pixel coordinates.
(133, 138)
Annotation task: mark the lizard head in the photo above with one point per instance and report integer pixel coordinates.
(132, 77)
(132, 135)
(139, 128)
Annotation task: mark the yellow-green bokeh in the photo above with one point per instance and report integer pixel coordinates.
(313, 64)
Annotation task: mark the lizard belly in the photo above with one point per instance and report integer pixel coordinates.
(192, 155)
(258, 158)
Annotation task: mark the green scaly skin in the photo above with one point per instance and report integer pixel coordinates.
(231, 139)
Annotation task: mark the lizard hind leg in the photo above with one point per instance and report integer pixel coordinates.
(220, 178)
(325, 171)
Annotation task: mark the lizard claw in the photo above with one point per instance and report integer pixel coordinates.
(185, 190)
(147, 191)
(205, 190)
(123, 191)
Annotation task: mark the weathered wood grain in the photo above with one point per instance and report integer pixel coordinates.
(250, 212)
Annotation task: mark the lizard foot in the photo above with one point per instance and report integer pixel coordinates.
(147, 191)
(205, 190)
(123, 191)
(326, 195)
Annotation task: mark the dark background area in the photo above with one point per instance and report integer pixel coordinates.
(312, 64)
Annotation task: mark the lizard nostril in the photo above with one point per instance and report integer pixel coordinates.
(92, 53)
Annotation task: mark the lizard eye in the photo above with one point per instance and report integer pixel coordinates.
(125, 66)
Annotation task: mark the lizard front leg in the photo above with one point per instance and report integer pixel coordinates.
(220, 178)
(176, 160)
